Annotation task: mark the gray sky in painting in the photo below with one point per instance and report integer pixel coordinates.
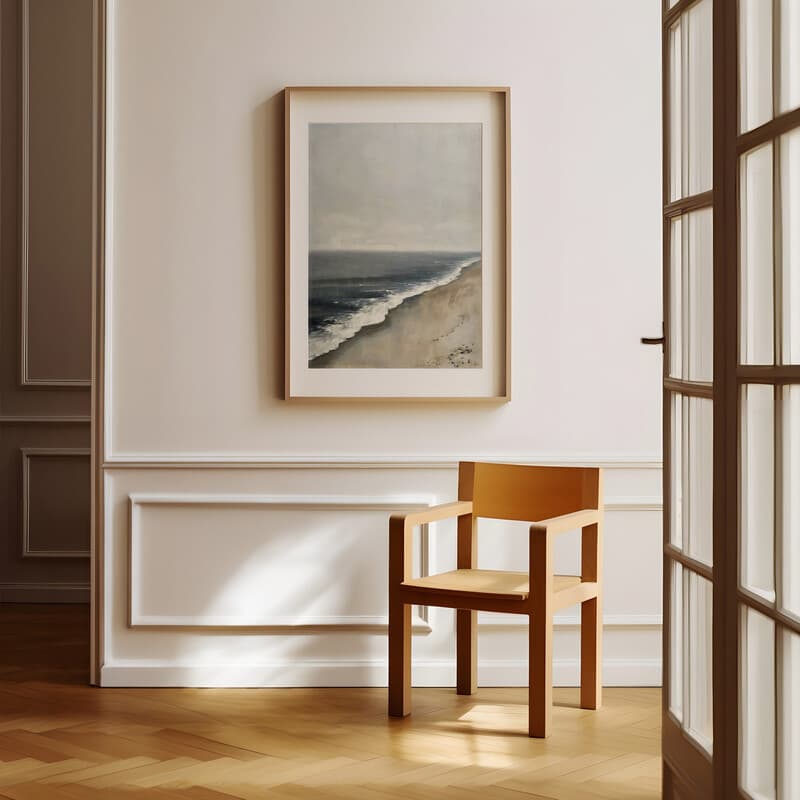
(395, 186)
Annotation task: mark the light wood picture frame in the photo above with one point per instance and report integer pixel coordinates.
(397, 243)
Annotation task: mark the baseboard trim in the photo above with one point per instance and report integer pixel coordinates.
(44, 593)
(616, 672)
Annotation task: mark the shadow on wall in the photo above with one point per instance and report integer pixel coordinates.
(268, 232)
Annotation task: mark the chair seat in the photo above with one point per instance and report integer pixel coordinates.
(499, 585)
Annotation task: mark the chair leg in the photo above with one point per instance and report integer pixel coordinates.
(591, 653)
(399, 659)
(540, 673)
(466, 652)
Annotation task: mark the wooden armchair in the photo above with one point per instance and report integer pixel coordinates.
(555, 500)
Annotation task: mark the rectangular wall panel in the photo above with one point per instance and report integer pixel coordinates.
(247, 560)
(44, 471)
(56, 192)
(55, 502)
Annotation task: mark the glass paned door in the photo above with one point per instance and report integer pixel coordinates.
(767, 591)
(689, 222)
(731, 197)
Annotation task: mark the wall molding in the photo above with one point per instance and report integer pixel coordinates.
(14, 419)
(643, 503)
(291, 502)
(27, 453)
(248, 461)
(420, 618)
(25, 379)
(420, 623)
(367, 672)
(44, 592)
(279, 624)
(489, 620)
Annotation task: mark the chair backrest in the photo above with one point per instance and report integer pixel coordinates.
(527, 493)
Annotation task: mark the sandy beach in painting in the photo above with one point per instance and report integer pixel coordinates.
(440, 328)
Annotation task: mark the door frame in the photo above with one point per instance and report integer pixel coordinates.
(687, 768)
(99, 142)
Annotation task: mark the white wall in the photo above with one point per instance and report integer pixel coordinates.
(195, 330)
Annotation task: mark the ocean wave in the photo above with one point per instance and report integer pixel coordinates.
(374, 311)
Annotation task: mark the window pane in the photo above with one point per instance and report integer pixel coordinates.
(755, 63)
(691, 475)
(676, 641)
(758, 482)
(701, 296)
(756, 257)
(676, 114)
(699, 105)
(789, 57)
(700, 478)
(690, 102)
(691, 296)
(790, 240)
(757, 763)
(678, 433)
(789, 722)
(700, 723)
(676, 334)
(791, 500)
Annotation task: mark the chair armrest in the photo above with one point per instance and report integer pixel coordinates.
(540, 552)
(432, 514)
(401, 528)
(567, 522)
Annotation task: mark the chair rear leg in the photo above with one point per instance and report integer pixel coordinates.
(399, 659)
(466, 651)
(540, 673)
(591, 653)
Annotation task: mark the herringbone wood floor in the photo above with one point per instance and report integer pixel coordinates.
(62, 740)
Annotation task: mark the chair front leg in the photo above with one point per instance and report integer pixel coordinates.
(399, 658)
(400, 551)
(466, 652)
(540, 673)
(467, 621)
(540, 634)
(592, 617)
(591, 649)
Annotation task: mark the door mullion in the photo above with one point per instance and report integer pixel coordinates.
(692, 202)
(768, 610)
(690, 388)
(783, 123)
(688, 562)
(726, 400)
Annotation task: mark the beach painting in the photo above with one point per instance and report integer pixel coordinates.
(394, 245)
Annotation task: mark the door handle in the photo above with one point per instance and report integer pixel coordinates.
(654, 339)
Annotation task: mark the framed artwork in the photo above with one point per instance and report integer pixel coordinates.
(397, 243)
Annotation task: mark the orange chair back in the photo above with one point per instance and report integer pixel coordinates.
(527, 493)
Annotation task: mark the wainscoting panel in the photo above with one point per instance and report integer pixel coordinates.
(275, 575)
(44, 469)
(55, 502)
(273, 568)
(55, 329)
